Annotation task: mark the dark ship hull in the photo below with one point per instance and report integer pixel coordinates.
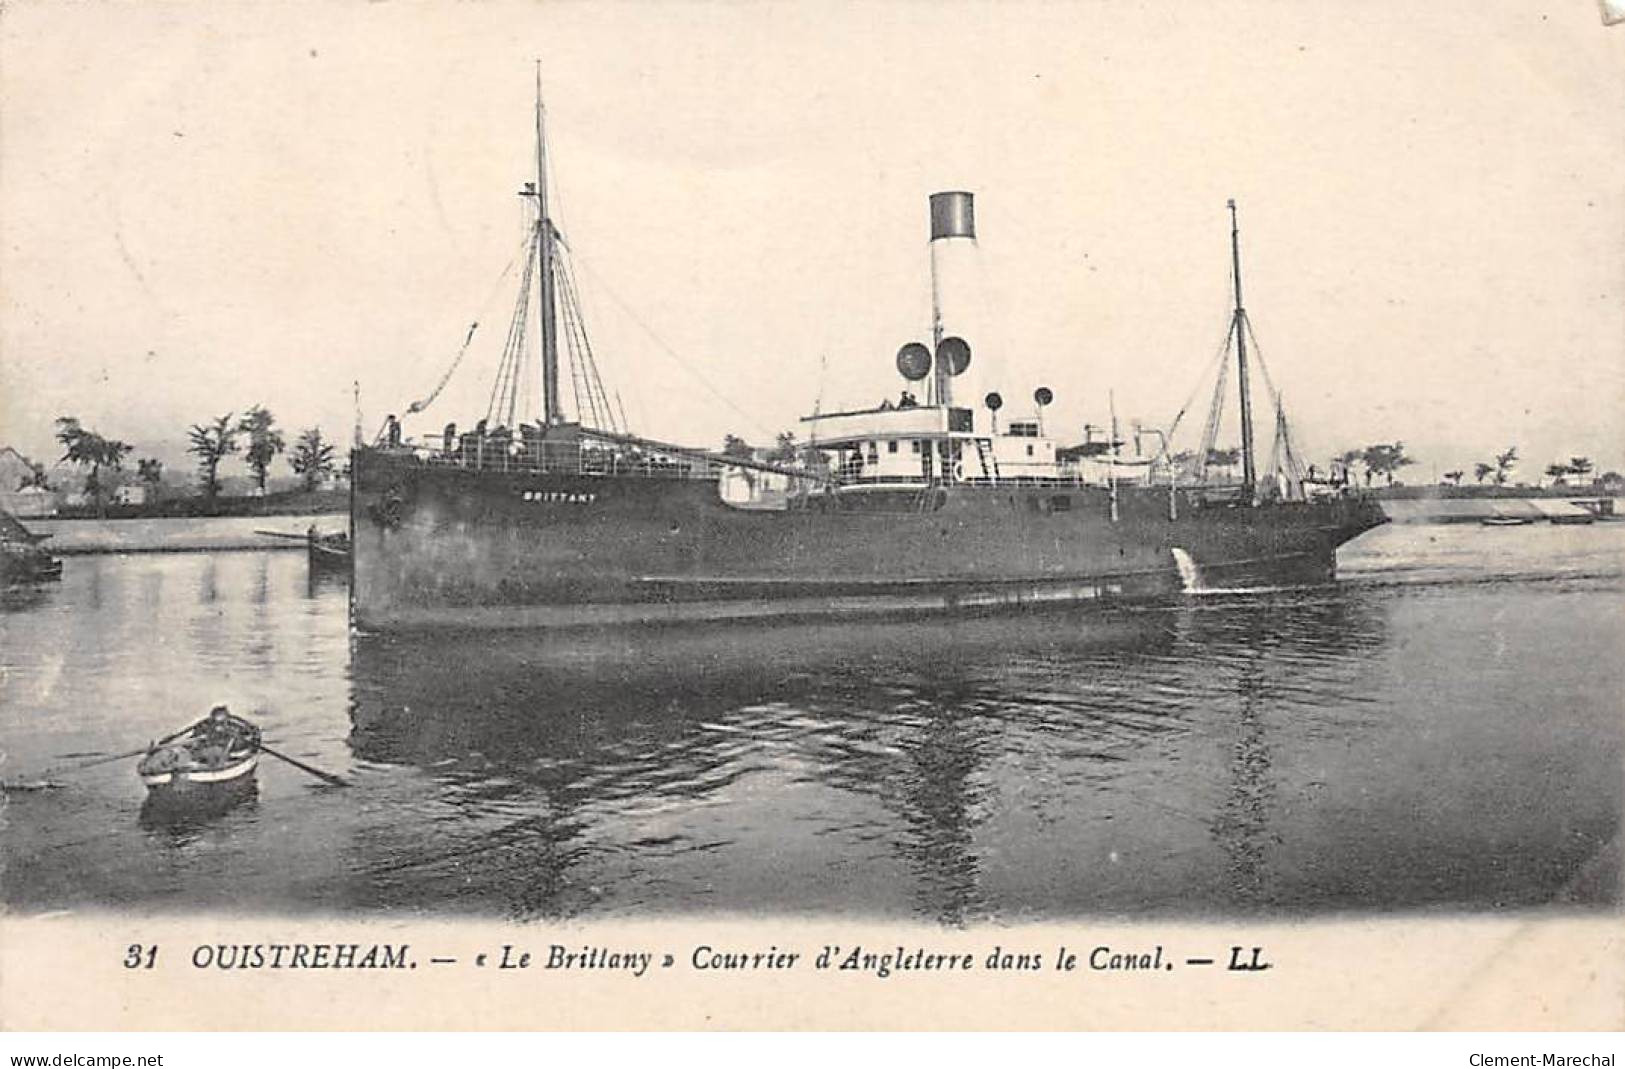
(438, 543)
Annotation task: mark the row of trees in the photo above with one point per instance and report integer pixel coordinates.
(784, 451)
(1501, 470)
(256, 435)
(1579, 467)
(1381, 459)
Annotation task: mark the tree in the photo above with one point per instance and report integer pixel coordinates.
(1482, 471)
(311, 458)
(89, 449)
(1504, 465)
(36, 476)
(211, 443)
(1581, 467)
(1223, 458)
(1384, 459)
(1454, 477)
(264, 441)
(784, 448)
(1557, 473)
(151, 472)
(733, 446)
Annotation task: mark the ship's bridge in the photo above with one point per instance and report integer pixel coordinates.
(908, 443)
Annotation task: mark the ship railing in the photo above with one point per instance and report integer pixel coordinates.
(1071, 481)
(565, 458)
(900, 482)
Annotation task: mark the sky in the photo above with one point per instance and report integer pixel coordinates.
(205, 207)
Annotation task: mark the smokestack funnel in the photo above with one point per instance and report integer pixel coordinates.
(953, 215)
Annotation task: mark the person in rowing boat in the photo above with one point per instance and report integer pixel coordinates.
(221, 729)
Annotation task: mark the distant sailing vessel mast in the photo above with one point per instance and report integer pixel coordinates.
(1238, 326)
(1283, 475)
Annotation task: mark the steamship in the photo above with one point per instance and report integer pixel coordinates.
(923, 505)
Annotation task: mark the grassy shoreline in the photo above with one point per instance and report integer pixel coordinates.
(291, 503)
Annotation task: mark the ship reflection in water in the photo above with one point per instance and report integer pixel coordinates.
(1417, 736)
(1228, 756)
(820, 759)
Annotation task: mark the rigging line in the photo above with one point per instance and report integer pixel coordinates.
(571, 346)
(597, 396)
(434, 395)
(668, 350)
(496, 385)
(504, 366)
(1283, 433)
(572, 351)
(1274, 465)
(1258, 351)
(1215, 412)
(515, 340)
(595, 381)
(1275, 393)
(583, 361)
(1222, 351)
(511, 395)
(507, 381)
(520, 360)
(626, 426)
(567, 324)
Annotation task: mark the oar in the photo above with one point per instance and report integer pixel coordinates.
(326, 777)
(46, 783)
(56, 769)
(101, 760)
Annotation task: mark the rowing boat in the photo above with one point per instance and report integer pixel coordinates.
(217, 754)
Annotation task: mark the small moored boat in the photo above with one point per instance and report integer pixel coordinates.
(22, 559)
(328, 552)
(1506, 521)
(219, 753)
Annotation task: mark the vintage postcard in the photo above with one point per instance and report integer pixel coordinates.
(812, 516)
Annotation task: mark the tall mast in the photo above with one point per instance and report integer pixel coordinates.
(1249, 475)
(552, 413)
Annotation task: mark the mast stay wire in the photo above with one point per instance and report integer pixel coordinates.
(434, 395)
(1282, 426)
(506, 385)
(580, 346)
(567, 320)
(1219, 354)
(1215, 411)
(666, 348)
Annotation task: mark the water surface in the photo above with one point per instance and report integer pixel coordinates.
(1440, 730)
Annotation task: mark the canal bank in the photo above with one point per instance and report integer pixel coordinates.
(178, 535)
